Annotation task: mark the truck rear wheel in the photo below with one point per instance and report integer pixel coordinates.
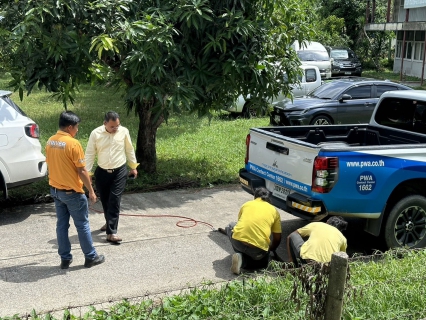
(406, 223)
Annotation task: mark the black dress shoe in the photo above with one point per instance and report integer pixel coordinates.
(88, 263)
(65, 264)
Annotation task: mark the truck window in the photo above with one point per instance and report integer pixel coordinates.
(311, 75)
(399, 113)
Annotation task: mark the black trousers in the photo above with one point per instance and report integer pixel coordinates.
(253, 258)
(110, 186)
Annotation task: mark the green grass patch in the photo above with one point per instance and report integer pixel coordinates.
(191, 151)
(388, 74)
(391, 287)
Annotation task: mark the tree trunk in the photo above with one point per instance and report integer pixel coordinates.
(146, 152)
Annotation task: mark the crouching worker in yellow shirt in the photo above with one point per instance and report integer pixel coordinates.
(251, 235)
(324, 240)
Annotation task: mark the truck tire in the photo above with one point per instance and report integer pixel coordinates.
(321, 121)
(249, 111)
(406, 223)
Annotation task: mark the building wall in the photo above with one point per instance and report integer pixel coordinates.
(411, 68)
(416, 14)
(414, 52)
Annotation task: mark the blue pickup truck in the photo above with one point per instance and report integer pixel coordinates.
(374, 171)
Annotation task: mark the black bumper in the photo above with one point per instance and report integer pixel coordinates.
(296, 203)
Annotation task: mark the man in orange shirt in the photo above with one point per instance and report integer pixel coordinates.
(67, 174)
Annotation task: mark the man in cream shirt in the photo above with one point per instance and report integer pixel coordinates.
(112, 145)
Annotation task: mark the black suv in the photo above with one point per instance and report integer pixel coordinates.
(345, 62)
(347, 100)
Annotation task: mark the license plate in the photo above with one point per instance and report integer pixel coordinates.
(348, 73)
(280, 192)
(244, 181)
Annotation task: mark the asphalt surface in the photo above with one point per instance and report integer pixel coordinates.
(161, 252)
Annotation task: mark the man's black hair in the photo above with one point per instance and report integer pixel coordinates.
(111, 115)
(262, 193)
(68, 118)
(338, 222)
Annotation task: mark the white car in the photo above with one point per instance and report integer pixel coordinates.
(310, 80)
(21, 160)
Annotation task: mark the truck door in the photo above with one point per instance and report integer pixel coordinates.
(358, 109)
(311, 77)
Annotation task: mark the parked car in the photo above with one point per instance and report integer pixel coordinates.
(314, 54)
(349, 100)
(345, 62)
(310, 80)
(21, 160)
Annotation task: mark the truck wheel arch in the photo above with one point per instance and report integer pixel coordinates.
(403, 190)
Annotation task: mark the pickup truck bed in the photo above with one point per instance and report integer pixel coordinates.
(359, 135)
(374, 171)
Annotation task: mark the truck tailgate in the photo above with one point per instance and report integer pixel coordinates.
(282, 161)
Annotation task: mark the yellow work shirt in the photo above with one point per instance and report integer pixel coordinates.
(64, 155)
(112, 149)
(324, 240)
(256, 220)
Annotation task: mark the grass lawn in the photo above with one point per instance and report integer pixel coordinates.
(190, 151)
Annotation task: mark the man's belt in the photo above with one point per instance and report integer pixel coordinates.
(112, 170)
(64, 190)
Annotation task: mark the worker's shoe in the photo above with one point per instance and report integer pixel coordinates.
(65, 264)
(113, 238)
(88, 263)
(237, 261)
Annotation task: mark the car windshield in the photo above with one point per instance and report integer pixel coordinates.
(328, 90)
(308, 55)
(341, 54)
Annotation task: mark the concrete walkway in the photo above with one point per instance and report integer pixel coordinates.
(157, 256)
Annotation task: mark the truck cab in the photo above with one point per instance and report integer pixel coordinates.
(308, 81)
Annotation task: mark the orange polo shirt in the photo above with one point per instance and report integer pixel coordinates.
(64, 155)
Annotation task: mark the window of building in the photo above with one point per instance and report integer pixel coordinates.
(408, 50)
(414, 45)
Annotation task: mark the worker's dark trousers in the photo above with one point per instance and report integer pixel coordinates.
(253, 258)
(110, 186)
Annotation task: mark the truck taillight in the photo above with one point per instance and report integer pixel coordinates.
(325, 174)
(32, 130)
(247, 148)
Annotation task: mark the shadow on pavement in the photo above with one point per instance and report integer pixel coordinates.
(33, 272)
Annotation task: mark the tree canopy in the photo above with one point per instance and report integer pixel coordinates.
(168, 56)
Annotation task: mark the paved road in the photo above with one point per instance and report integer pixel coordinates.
(156, 255)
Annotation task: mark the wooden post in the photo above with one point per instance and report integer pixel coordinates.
(336, 286)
